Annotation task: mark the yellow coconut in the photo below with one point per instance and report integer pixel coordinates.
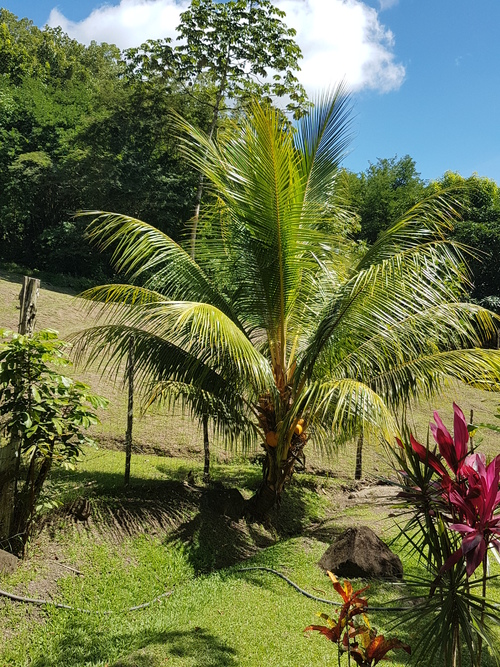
(271, 439)
(298, 429)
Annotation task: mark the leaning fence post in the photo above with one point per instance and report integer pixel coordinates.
(28, 299)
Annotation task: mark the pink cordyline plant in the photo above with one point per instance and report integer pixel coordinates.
(471, 491)
(480, 528)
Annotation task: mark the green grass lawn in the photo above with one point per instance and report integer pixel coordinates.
(158, 536)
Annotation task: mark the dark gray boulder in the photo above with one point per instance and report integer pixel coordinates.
(360, 553)
(8, 562)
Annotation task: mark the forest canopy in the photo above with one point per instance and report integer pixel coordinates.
(89, 127)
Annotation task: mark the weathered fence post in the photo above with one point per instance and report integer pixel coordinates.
(130, 410)
(28, 299)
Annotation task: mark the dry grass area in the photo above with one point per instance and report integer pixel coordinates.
(173, 435)
(64, 312)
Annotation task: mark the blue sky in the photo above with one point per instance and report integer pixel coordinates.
(425, 73)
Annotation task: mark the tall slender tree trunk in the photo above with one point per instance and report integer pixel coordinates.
(201, 180)
(130, 409)
(194, 231)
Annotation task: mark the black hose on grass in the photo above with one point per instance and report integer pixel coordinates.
(314, 597)
(20, 598)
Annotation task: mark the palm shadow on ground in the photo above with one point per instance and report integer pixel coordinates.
(208, 521)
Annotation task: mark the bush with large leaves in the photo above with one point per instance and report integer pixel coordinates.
(291, 330)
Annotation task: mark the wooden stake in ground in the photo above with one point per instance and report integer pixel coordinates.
(28, 299)
(471, 424)
(130, 410)
(359, 458)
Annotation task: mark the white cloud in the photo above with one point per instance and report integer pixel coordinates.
(127, 24)
(340, 39)
(387, 4)
(343, 39)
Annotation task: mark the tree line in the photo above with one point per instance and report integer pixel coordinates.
(90, 127)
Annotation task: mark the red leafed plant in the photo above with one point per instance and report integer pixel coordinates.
(352, 635)
(372, 648)
(471, 491)
(454, 499)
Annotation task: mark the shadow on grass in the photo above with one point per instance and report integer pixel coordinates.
(325, 530)
(208, 521)
(153, 506)
(218, 537)
(81, 645)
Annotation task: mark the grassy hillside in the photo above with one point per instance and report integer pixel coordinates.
(60, 310)
(164, 433)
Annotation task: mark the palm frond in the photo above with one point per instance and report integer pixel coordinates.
(142, 252)
(322, 137)
(107, 347)
(199, 329)
(231, 418)
(346, 404)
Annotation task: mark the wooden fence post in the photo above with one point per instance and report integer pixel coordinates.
(28, 299)
(471, 423)
(206, 447)
(358, 473)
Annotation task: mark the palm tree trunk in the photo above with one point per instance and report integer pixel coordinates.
(276, 474)
(262, 502)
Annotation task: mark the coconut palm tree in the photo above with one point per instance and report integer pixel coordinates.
(293, 331)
